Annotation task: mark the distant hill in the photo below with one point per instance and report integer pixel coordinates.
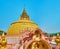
(2, 32)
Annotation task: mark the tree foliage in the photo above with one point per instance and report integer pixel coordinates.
(2, 32)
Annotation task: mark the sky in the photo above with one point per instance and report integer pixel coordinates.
(46, 13)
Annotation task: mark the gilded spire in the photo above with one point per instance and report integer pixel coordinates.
(57, 40)
(24, 15)
(3, 42)
(24, 10)
(3, 36)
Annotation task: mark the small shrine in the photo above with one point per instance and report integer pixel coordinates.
(3, 42)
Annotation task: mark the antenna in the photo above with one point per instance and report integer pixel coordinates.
(24, 4)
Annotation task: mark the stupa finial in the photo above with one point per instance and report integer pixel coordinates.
(3, 36)
(24, 15)
(24, 10)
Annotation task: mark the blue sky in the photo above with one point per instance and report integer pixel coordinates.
(46, 13)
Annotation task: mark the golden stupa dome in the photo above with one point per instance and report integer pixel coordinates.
(23, 24)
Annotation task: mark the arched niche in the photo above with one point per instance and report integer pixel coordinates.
(38, 45)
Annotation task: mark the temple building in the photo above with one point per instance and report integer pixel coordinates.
(24, 34)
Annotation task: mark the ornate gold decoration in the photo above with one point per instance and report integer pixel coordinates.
(36, 36)
(57, 40)
(36, 45)
(3, 42)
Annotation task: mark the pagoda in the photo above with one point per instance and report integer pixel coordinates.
(26, 34)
